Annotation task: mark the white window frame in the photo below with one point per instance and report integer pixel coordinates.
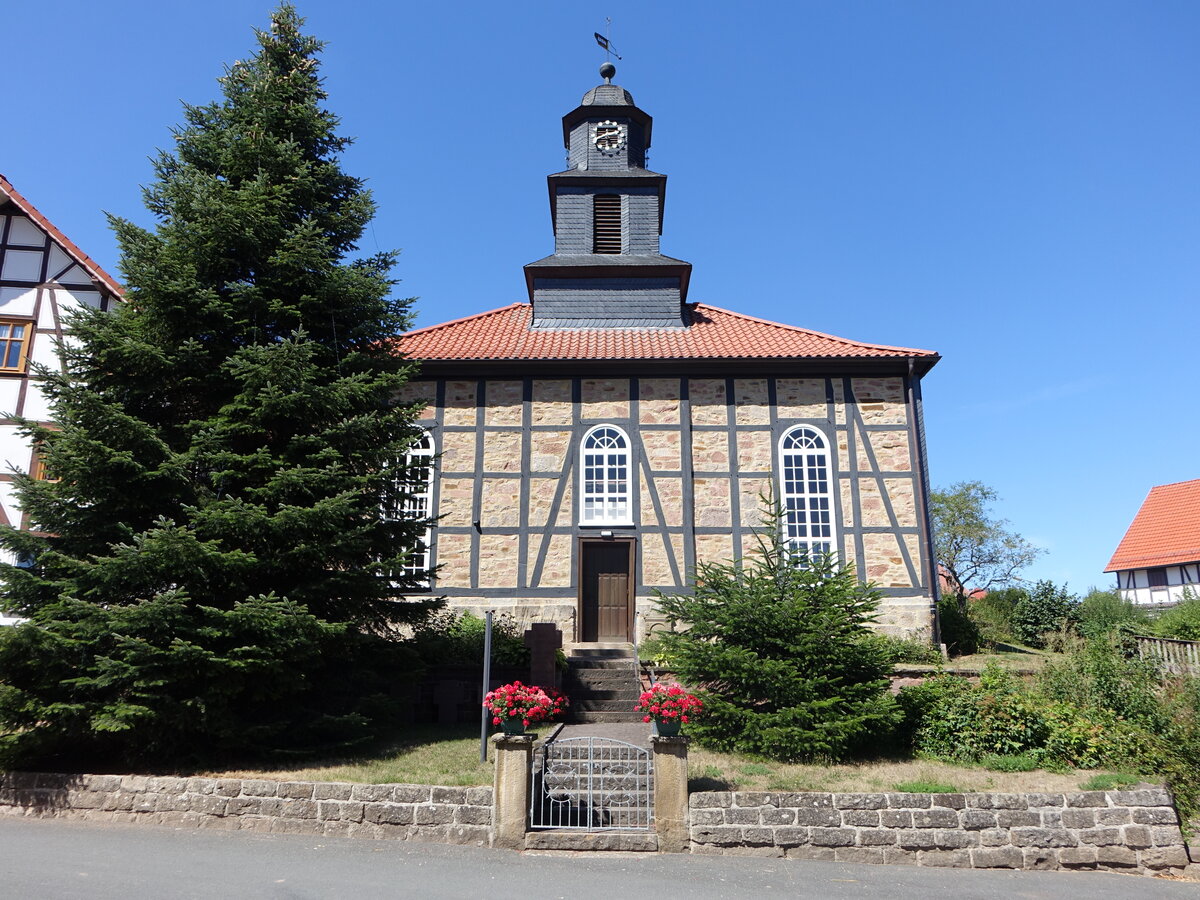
(605, 498)
(814, 497)
(417, 504)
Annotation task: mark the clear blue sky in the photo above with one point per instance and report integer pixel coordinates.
(1014, 184)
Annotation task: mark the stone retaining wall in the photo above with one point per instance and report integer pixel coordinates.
(454, 815)
(1128, 830)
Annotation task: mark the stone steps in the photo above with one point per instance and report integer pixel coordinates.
(555, 841)
(603, 685)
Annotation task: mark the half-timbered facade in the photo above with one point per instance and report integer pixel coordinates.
(592, 445)
(1160, 554)
(43, 275)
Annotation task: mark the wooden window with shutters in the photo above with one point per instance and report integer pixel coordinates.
(14, 344)
(606, 223)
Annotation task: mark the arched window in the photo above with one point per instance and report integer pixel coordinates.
(604, 492)
(414, 498)
(805, 492)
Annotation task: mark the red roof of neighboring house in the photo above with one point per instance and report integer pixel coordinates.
(1166, 530)
(7, 191)
(711, 333)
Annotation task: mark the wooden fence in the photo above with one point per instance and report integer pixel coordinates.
(1175, 657)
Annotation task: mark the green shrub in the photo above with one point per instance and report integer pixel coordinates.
(903, 650)
(457, 638)
(1046, 608)
(959, 632)
(1181, 621)
(1103, 612)
(993, 614)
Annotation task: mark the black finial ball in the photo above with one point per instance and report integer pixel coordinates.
(607, 71)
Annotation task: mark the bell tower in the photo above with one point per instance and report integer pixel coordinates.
(607, 211)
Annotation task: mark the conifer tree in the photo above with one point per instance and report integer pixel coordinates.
(215, 540)
(778, 647)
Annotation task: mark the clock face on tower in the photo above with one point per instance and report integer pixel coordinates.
(609, 137)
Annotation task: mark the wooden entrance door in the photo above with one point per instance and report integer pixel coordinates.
(606, 590)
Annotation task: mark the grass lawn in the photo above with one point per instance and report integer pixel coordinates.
(430, 754)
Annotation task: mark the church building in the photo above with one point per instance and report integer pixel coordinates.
(592, 445)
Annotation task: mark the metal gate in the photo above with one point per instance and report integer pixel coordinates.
(593, 784)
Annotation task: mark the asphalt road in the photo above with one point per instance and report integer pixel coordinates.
(53, 859)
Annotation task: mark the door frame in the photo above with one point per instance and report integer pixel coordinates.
(585, 542)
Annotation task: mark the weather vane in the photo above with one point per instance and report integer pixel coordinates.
(603, 41)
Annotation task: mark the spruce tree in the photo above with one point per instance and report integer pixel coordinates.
(212, 567)
(778, 647)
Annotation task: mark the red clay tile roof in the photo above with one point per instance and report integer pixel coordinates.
(1166, 530)
(7, 191)
(713, 333)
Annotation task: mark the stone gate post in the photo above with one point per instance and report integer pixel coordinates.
(671, 793)
(510, 803)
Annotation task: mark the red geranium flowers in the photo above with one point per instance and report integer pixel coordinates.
(528, 702)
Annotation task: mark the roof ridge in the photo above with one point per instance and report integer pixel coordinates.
(796, 328)
(93, 268)
(1175, 483)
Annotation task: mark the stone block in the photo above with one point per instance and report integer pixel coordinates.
(710, 800)
(1143, 797)
(296, 790)
(827, 817)
(956, 840)
(758, 836)
(1077, 857)
(997, 801)
(744, 816)
(1043, 837)
(1051, 818)
(860, 801)
(209, 805)
(977, 819)
(1079, 818)
(1167, 836)
(772, 816)
(1104, 837)
(709, 816)
(950, 859)
(1115, 815)
(455, 795)
(722, 835)
(877, 837)
(340, 810)
(162, 784)
(228, 787)
(1163, 857)
(997, 858)
(479, 796)
(788, 836)
(807, 800)
(331, 791)
(1116, 857)
(1087, 798)
(244, 806)
(201, 785)
(92, 782)
(1039, 800)
(271, 806)
(832, 837)
(473, 815)
(949, 801)
(468, 834)
(260, 788)
(299, 809)
(1155, 815)
(909, 801)
(862, 818)
(896, 818)
(1040, 858)
(935, 818)
(387, 814)
(1014, 818)
(433, 815)
(1137, 836)
(916, 839)
(372, 793)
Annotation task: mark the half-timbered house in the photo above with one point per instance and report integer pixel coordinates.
(591, 445)
(1159, 556)
(43, 275)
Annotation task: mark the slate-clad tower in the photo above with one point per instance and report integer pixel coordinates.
(607, 211)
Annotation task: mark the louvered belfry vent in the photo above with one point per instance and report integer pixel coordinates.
(606, 223)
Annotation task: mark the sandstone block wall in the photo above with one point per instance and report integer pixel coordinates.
(411, 812)
(1120, 830)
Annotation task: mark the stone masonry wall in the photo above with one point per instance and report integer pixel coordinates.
(452, 815)
(1124, 830)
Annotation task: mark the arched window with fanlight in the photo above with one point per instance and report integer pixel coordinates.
(805, 492)
(605, 483)
(413, 499)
